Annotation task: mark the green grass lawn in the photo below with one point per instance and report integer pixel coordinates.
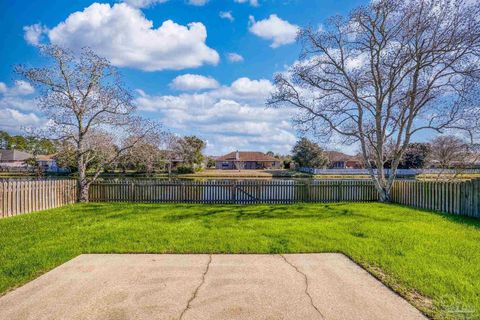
(433, 260)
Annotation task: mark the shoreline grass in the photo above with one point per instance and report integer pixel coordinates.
(431, 259)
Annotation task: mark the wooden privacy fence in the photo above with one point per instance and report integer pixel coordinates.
(23, 196)
(457, 197)
(239, 192)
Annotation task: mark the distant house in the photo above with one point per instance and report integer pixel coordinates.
(172, 158)
(246, 160)
(340, 160)
(13, 159)
(48, 163)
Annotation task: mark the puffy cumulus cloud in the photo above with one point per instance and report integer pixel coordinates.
(34, 33)
(226, 15)
(248, 87)
(253, 3)
(17, 107)
(122, 34)
(20, 88)
(13, 121)
(17, 97)
(273, 28)
(143, 3)
(229, 117)
(234, 57)
(193, 82)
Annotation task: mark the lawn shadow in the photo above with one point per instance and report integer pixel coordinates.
(454, 218)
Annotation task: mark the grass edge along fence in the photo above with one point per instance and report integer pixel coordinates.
(23, 196)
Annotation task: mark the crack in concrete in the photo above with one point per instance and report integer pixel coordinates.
(306, 285)
(194, 295)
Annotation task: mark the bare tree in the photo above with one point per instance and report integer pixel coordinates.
(171, 151)
(388, 71)
(87, 105)
(452, 153)
(145, 154)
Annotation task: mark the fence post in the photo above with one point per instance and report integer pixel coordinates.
(476, 197)
(306, 192)
(133, 195)
(183, 195)
(234, 192)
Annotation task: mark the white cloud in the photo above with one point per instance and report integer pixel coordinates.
(13, 120)
(17, 107)
(273, 28)
(143, 3)
(122, 34)
(234, 57)
(229, 117)
(252, 88)
(197, 2)
(226, 15)
(253, 3)
(188, 82)
(20, 88)
(34, 33)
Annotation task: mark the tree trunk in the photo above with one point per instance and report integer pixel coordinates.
(383, 187)
(83, 192)
(82, 183)
(384, 195)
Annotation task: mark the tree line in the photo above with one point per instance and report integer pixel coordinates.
(145, 157)
(28, 143)
(442, 152)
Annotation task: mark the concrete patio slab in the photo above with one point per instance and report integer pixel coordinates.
(164, 286)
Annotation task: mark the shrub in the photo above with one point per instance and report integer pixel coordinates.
(183, 169)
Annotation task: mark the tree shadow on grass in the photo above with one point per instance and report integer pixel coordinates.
(463, 220)
(455, 218)
(183, 212)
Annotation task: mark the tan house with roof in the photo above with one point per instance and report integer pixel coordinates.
(340, 160)
(13, 159)
(246, 160)
(16, 160)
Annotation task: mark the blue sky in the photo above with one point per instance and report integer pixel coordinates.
(199, 67)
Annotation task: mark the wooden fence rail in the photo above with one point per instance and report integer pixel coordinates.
(23, 196)
(457, 197)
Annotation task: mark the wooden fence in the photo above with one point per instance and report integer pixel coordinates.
(455, 197)
(239, 192)
(23, 196)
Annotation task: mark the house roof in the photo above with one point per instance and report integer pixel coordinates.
(334, 156)
(246, 156)
(14, 155)
(46, 157)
